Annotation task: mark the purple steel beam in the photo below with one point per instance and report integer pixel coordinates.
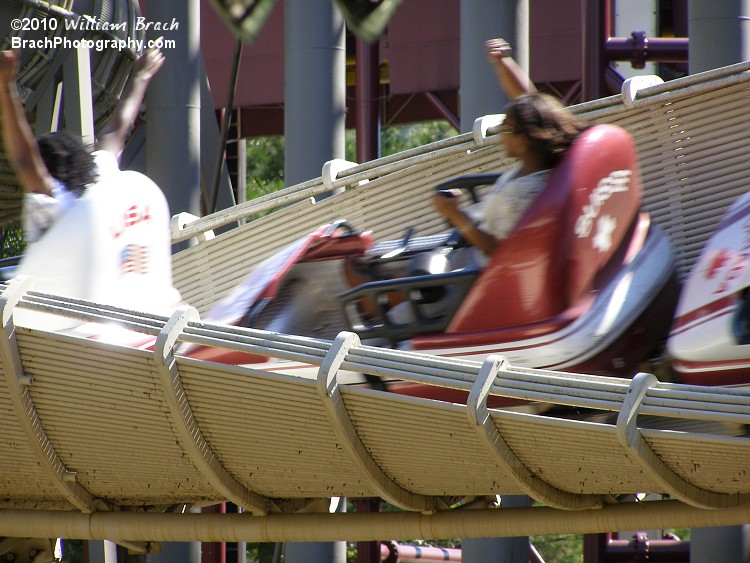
(368, 552)
(638, 48)
(596, 26)
(444, 110)
(367, 92)
(602, 548)
(214, 552)
(599, 48)
(640, 548)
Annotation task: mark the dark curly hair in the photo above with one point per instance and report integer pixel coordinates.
(68, 160)
(546, 123)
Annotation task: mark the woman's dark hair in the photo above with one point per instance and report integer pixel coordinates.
(548, 125)
(68, 160)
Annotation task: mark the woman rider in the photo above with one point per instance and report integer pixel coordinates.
(537, 131)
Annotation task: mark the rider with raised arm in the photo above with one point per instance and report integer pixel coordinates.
(56, 169)
(538, 130)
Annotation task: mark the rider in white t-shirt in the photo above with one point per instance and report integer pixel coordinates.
(537, 131)
(56, 169)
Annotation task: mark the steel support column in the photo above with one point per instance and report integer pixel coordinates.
(315, 87)
(482, 20)
(367, 90)
(596, 28)
(173, 99)
(719, 33)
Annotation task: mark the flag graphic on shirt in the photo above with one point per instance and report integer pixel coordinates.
(133, 259)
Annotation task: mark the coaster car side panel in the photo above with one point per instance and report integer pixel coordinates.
(710, 337)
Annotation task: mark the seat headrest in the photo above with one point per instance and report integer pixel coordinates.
(601, 172)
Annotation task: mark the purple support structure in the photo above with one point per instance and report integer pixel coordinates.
(444, 110)
(638, 48)
(368, 552)
(640, 548)
(214, 552)
(605, 548)
(596, 28)
(599, 49)
(367, 91)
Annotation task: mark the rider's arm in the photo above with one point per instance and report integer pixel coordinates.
(513, 80)
(20, 144)
(115, 131)
(448, 208)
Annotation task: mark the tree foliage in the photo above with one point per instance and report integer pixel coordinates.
(395, 139)
(265, 165)
(12, 237)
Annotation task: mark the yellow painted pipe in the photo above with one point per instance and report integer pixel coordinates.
(169, 527)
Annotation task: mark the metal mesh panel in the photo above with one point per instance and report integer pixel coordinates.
(693, 162)
(690, 135)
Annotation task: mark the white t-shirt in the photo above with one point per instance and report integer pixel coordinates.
(40, 211)
(501, 209)
(507, 201)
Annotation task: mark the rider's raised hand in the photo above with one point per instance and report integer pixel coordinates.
(148, 64)
(497, 49)
(8, 67)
